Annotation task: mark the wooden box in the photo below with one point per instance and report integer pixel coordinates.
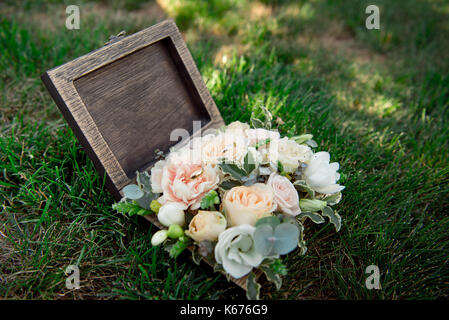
(123, 100)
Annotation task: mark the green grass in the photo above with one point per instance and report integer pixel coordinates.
(376, 100)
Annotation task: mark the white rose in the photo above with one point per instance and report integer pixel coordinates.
(236, 252)
(285, 194)
(289, 153)
(171, 213)
(321, 175)
(206, 225)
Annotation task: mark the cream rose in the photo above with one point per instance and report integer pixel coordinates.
(246, 205)
(289, 153)
(237, 128)
(186, 182)
(285, 194)
(206, 225)
(231, 147)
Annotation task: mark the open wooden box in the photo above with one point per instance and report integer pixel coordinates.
(123, 100)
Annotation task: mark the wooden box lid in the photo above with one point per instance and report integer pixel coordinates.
(123, 100)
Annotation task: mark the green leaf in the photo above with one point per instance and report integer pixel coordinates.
(315, 217)
(278, 267)
(177, 248)
(235, 171)
(130, 208)
(272, 276)
(334, 217)
(132, 191)
(249, 163)
(210, 199)
(280, 168)
(252, 287)
(229, 184)
(301, 185)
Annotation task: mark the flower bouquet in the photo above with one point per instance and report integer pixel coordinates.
(238, 197)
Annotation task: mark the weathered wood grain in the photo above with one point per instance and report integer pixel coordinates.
(122, 100)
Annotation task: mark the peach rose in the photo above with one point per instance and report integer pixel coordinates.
(206, 225)
(246, 205)
(186, 182)
(285, 194)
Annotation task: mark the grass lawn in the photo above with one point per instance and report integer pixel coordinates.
(377, 100)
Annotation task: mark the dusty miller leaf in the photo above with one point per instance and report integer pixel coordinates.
(301, 185)
(272, 276)
(334, 217)
(252, 287)
(144, 181)
(315, 217)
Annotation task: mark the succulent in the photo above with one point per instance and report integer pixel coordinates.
(275, 238)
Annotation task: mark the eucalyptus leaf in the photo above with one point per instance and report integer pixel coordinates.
(132, 191)
(264, 240)
(315, 217)
(271, 220)
(287, 236)
(272, 276)
(252, 287)
(334, 217)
